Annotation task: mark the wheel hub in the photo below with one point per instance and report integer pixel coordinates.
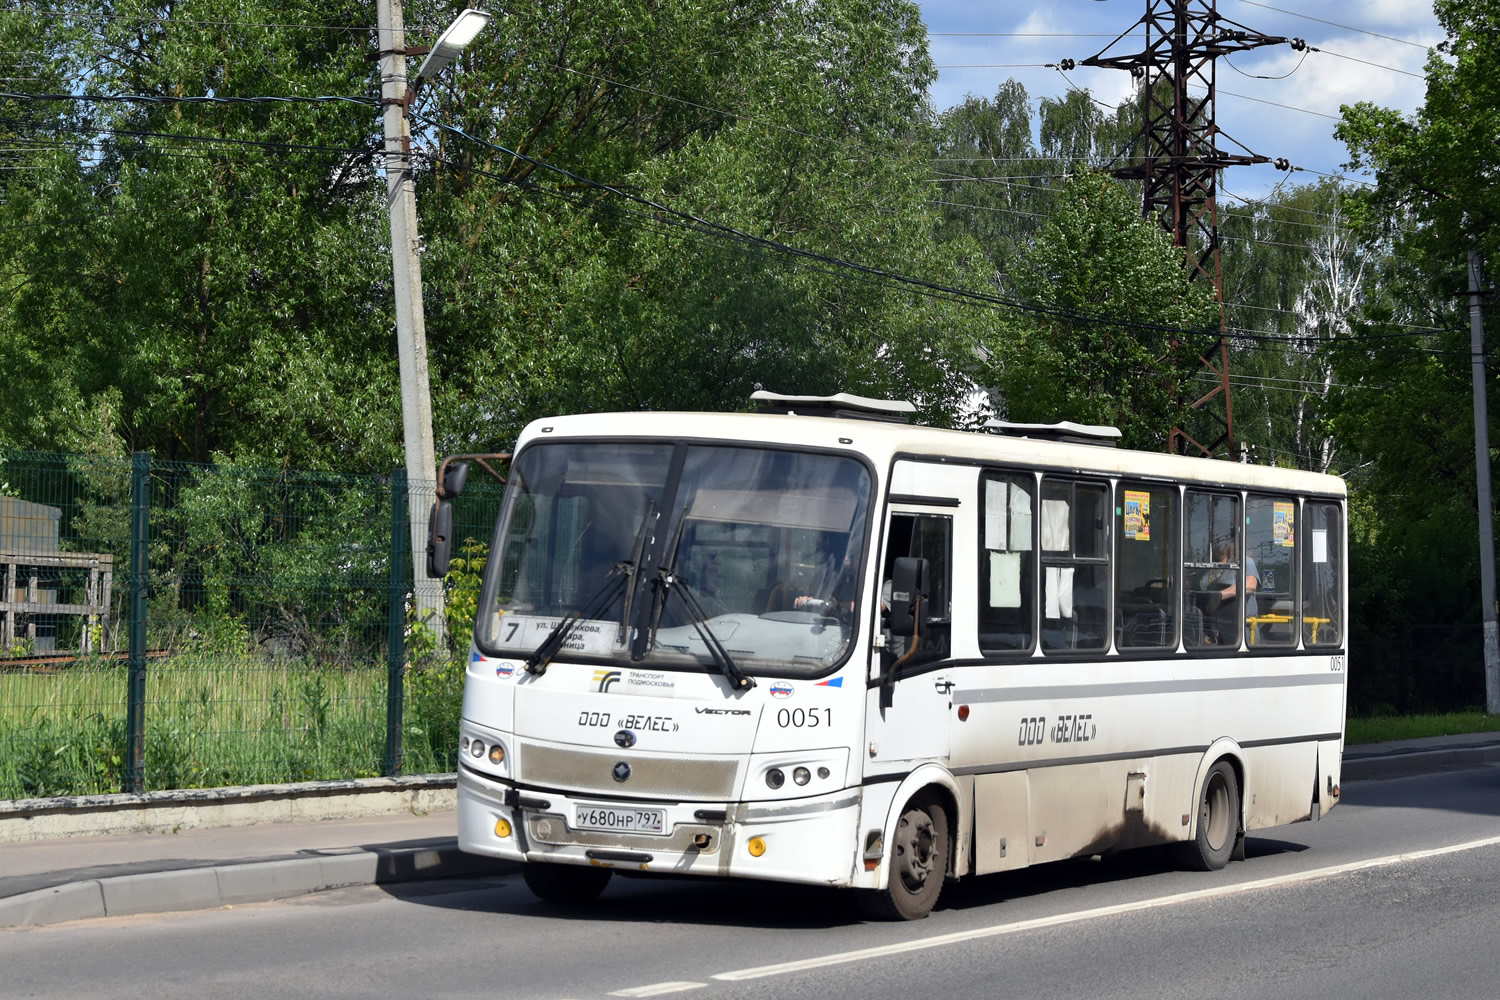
(914, 851)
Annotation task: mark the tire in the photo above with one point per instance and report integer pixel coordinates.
(918, 862)
(565, 883)
(1218, 828)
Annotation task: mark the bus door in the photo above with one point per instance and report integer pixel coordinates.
(907, 715)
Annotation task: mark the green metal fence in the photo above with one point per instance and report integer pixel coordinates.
(172, 625)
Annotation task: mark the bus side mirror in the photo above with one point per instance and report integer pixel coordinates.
(439, 539)
(455, 475)
(908, 614)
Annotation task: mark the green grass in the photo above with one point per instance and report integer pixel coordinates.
(1377, 729)
(216, 718)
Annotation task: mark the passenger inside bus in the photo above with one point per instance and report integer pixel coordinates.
(1218, 589)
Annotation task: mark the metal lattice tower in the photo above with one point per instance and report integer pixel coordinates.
(1178, 159)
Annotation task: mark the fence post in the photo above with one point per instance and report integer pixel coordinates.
(396, 626)
(135, 700)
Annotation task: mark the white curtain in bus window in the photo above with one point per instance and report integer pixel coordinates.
(1005, 579)
(1322, 575)
(1007, 516)
(1056, 519)
(1059, 595)
(1270, 550)
(1075, 561)
(1007, 564)
(1146, 590)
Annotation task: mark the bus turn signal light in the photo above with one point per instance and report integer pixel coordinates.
(502, 828)
(757, 847)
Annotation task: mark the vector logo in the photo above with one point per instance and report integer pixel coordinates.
(605, 679)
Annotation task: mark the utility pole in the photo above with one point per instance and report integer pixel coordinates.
(1180, 160)
(1482, 475)
(411, 326)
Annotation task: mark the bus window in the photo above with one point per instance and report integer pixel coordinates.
(1075, 565)
(930, 537)
(1146, 584)
(1270, 551)
(1007, 564)
(1211, 617)
(1322, 575)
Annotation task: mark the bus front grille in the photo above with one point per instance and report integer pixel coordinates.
(594, 771)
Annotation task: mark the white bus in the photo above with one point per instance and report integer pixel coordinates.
(819, 644)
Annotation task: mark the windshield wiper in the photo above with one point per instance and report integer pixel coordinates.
(621, 575)
(671, 583)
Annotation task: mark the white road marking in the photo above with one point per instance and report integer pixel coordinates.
(657, 989)
(939, 940)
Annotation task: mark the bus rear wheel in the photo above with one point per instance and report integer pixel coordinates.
(1218, 822)
(564, 883)
(918, 863)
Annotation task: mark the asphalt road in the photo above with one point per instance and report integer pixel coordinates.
(1393, 895)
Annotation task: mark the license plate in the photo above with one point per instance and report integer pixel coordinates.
(622, 820)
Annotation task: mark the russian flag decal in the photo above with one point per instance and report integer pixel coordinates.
(832, 682)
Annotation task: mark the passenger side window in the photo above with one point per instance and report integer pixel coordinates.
(1007, 564)
(1211, 612)
(1270, 571)
(930, 537)
(1145, 564)
(1322, 574)
(1075, 565)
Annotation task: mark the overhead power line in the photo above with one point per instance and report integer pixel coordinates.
(732, 233)
(159, 99)
(1334, 24)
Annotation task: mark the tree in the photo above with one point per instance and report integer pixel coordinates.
(1404, 400)
(223, 270)
(1295, 275)
(1106, 342)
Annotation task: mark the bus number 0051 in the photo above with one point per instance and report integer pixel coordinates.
(804, 718)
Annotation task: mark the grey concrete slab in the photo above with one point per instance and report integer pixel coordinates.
(161, 892)
(55, 905)
(348, 869)
(265, 880)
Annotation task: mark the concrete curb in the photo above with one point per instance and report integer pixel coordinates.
(251, 882)
(1410, 763)
(197, 808)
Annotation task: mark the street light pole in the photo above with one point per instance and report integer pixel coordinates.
(411, 326)
(406, 269)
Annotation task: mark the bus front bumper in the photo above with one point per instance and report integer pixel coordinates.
(809, 840)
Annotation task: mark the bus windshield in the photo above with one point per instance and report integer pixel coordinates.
(662, 548)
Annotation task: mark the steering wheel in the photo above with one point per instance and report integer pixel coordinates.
(775, 601)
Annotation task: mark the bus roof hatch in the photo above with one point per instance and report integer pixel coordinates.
(844, 404)
(1065, 431)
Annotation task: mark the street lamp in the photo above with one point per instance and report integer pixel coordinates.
(411, 326)
(452, 41)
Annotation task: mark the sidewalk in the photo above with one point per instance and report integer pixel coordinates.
(72, 878)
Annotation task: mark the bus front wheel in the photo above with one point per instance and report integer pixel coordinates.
(564, 883)
(1218, 822)
(918, 862)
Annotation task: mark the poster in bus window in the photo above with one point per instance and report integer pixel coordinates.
(1138, 515)
(1283, 528)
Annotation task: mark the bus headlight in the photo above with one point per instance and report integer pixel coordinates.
(801, 775)
(476, 749)
(775, 778)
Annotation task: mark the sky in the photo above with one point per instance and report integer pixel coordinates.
(978, 44)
